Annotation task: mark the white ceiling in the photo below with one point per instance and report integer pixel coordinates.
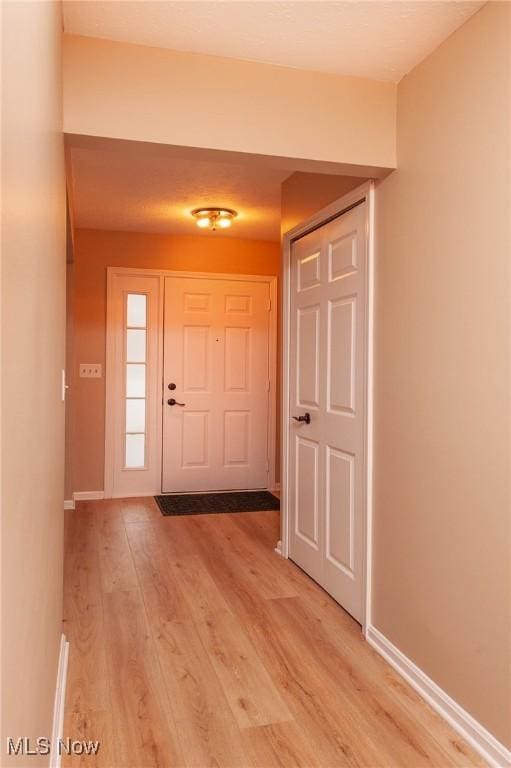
(123, 188)
(379, 40)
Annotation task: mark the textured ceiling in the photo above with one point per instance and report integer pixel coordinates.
(379, 40)
(123, 189)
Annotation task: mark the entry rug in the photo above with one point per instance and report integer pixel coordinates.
(215, 503)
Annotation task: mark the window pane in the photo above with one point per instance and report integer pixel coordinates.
(135, 380)
(135, 415)
(137, 310)
(135, 346)
(135, 451)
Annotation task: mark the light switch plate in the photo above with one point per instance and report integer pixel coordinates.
(90, 370)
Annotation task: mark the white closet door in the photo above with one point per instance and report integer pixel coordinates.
(327, 382)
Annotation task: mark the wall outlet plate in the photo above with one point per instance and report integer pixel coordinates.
(90, 370)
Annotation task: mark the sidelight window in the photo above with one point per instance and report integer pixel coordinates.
(135, 348)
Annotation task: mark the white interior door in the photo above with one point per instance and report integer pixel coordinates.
(328, 329)
(216, 363)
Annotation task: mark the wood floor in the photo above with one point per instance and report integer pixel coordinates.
(193, 644)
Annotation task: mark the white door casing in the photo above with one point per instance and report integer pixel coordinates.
(326, 478)
(217, 358)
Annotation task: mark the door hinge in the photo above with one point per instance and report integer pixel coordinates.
(267, 465)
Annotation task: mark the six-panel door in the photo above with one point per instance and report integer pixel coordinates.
(216, 359)
(327, 379)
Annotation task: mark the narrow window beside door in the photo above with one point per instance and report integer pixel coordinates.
(136, 375)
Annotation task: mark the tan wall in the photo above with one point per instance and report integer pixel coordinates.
(304, 194)
(124, 91)
(33, 318)
(94, 252)
(442, 538)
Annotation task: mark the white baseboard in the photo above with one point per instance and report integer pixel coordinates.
(278, 548)
(60, 701)
(88, 495)
(69, 504)
(495, 753)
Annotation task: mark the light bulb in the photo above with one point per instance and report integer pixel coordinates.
(213, 218)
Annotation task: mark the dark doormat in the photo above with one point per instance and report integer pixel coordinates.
(214, 503)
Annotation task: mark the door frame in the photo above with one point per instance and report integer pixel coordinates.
(364, 193)
(112, 272)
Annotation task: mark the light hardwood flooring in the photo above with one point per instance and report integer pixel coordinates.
(193, 644)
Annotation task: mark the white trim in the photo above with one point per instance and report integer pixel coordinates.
(69, 504)
(282, 547)
(88, 495)
(190, 274)
(363, 192)
(108, 469)
(371, 267)
(495, 753)
(112, 272)
(272, 373)
(59, 703)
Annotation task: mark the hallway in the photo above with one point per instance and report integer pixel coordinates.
(193, 644)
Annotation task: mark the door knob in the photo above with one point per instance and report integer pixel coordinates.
(173, 401)
(172, 385)
(306, 418)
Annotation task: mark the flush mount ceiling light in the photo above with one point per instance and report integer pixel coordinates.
(211, 218)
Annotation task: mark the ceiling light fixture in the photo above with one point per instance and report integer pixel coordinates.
(211, 218)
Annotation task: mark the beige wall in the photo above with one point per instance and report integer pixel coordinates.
(124, 91)
(442, 543)
(304, 194)
(94, 252)
(33, 318)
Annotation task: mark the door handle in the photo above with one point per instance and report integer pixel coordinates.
(306, 418)
(173, 401)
